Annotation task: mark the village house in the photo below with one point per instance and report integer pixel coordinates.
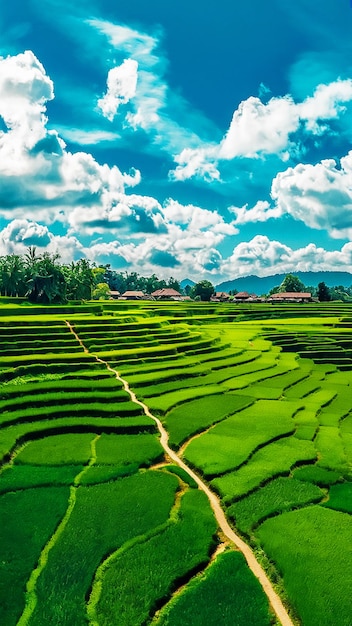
(133, 295)
(220, 296)
(167, 294)
(114, 294)
(291, 296)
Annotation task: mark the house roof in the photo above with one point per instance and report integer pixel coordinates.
(167, 292)
(133, 294)
(296, 295)
(242, 294)
(114, 293)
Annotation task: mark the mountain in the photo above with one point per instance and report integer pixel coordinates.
(261, 285)
(185, 282)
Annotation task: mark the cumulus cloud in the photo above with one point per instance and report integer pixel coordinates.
(200, 162)
(36, 170)
(25, 232)
(327, 103)
(259, 129)
(187, 244)
(121, 88)
(19, 234)
(196, 217)
(319, 195)
(134, 214)
(25, 88)
(264, 257)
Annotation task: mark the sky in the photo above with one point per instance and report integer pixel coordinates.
(201, 140)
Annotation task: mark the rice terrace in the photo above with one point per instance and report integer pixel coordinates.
(176, 463)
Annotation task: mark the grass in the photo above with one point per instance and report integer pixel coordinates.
(330, 448)
(227, 593)
(167, 401)
(61, 384)
(121, 450)
(199, 366)
(193, 417)
(27, 520)
(281, 494)
(229, 444)
(104, 518)
(316, 475)
(315, 564)
(20, 477)
(149, 570)
(274, 460)
(68, 449)
(340, 497)
(20, 433)
(79, 409)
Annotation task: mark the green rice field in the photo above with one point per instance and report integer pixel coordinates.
(99, 527)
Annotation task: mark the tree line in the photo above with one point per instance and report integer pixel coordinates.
(42, 278)
(322, 292)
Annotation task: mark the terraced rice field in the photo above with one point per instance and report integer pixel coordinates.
(98, 527)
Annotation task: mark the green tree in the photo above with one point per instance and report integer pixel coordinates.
(79, 280)
(47, 283)
(204, 289)
(12, 276)
(101, 292)
(173, 283)
(323, 293)
(291, 283)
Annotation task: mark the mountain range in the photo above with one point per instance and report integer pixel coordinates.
(260, 285)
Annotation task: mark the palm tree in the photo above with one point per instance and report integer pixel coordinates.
(47, 283)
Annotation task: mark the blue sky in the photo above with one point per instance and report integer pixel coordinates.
(201, 140)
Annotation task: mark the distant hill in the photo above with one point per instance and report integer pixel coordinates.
(185, 282)
(261, 285)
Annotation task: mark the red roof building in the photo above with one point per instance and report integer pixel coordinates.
(291, 296)
(133, 295)
(167, 294)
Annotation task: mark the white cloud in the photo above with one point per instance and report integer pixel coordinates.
(196, 217)
(327, 103)
(201, 162)
(264, 257)
(19, 234)
(25, 88)
(86, 137)
(261, 212)
(36, 170)
(136, 44)
(121, 88)
(259, 129)
(319, 195)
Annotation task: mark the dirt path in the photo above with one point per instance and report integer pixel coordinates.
(255, 567)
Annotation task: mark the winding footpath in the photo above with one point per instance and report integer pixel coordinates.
(255, 567)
